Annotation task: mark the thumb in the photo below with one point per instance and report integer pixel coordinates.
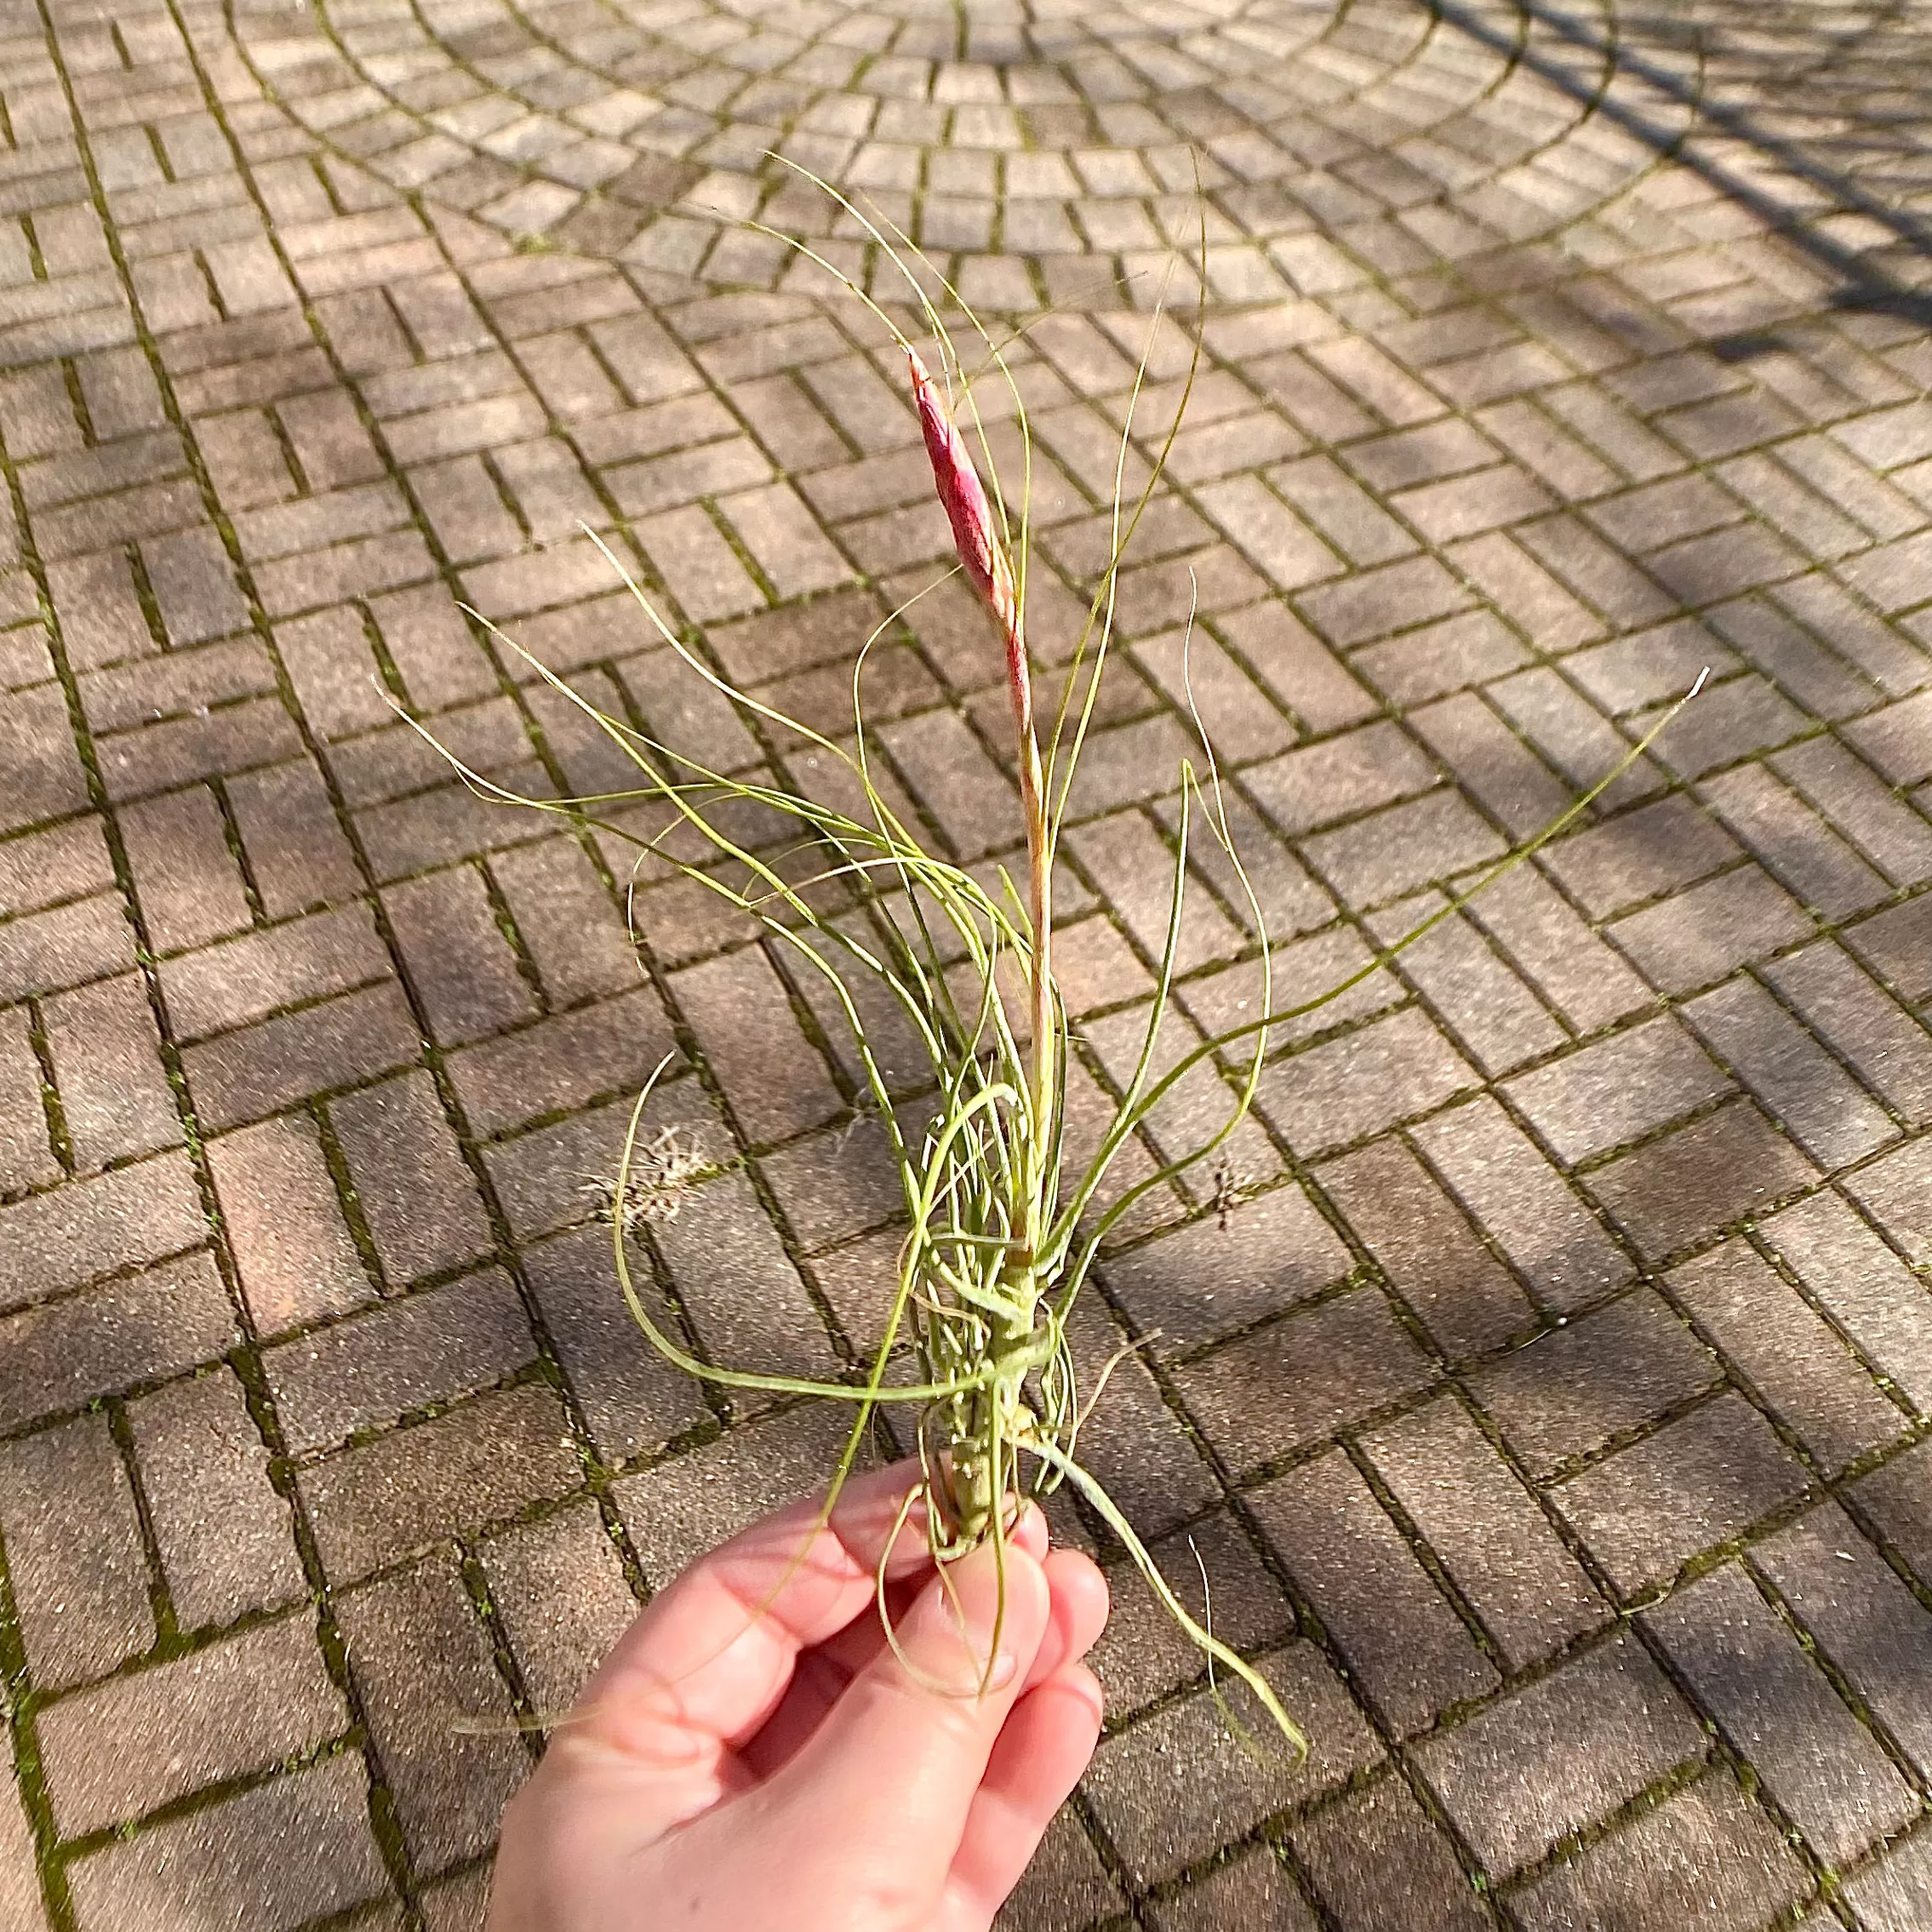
(889, 1775)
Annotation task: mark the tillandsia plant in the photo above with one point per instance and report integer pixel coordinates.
(1000, 1240)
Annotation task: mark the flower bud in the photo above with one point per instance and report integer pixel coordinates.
(981, 554)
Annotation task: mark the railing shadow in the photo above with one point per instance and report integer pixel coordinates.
(1833, 98)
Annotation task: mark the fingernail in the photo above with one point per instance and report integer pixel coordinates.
(962, 1615)
(1030, 1530)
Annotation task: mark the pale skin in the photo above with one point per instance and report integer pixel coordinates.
(754, 1754)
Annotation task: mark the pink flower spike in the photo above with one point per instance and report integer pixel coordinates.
(963, 495)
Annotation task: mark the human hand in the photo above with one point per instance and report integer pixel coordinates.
(754, 1755)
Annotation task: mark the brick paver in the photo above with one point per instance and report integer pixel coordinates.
(1551, 1417)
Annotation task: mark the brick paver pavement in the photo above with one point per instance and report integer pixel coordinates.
(1553, 1419)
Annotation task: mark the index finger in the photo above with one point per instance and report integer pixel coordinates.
(712, 1653)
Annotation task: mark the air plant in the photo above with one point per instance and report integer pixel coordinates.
(1000, 1241)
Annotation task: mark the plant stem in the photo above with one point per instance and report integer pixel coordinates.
(1039, 867)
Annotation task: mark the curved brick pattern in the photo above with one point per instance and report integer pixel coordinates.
(1054, 146)
(1542, 1376)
